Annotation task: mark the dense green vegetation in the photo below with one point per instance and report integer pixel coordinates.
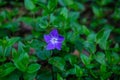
(90, 50)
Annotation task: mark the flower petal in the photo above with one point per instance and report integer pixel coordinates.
(47, 38)
(60, 38)
(54, 33)
(50, 46)
(58, 46)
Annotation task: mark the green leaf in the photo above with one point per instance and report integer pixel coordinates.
(32, 68)
(2, 55)
(100, 57)
(57, 62)
(59, 77)
(72, 59)
(43, 55)
(29, 4)
(85, 30)
(15, 75)
(7, 51)
(69, 2)
(79, 71)
(6, 69)
(1, 51)
(116, 13)
(22, 61)
(102, 37)
(15, 54)
(103, 68)
(79, 45)
(115, 58)
(90, 46)
(33, 58)
(103, 72)
(64, 12)
(91, 37)
(44, 75)
(104, 2)
(12, 41)
(98, 11)
(85, 59)
(20, 47)
(73, 16)
(29, 76)
(71, 71)
(43, 6)
(51, 5)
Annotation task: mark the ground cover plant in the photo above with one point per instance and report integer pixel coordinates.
(59, 39)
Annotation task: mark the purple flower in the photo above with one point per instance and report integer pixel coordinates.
(54, 40)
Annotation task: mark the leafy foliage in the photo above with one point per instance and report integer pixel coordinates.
(90, 50)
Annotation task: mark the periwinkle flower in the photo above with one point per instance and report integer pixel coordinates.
(53, 40)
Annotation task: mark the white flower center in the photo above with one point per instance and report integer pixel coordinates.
(54, 40)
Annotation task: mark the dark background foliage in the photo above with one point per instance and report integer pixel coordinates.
(90, 51)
